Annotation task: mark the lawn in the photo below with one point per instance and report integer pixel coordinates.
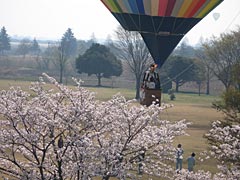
(197, 110)
(193, 108)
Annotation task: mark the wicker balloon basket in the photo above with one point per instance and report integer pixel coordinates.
(151, 95)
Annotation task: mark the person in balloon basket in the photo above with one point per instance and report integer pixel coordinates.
(179, 157)
(151, 78)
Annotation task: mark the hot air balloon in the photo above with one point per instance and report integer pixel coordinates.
(216, 16)
(161, 23)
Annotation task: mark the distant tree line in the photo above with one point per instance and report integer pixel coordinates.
(217, 57)
(61, 55)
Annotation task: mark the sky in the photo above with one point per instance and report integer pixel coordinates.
(49, 19)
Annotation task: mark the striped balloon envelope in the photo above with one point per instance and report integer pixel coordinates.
(162, 23)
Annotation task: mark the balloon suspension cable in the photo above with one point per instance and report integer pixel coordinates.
(232, 21)
(179, 74)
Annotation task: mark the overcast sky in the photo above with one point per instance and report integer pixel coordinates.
(49, 19)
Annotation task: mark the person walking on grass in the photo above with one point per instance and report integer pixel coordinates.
(179, 157)
(191, 162)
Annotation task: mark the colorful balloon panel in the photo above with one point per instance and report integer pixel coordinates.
(162, 23)
(173, 8)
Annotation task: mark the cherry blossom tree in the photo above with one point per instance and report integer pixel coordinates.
(65, 133)
(39, 131)
(225, 147)
(224, 137)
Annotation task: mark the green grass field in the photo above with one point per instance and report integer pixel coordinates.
(197, 110)
(193, 108)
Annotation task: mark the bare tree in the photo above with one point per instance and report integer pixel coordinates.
(62, 61)
(134, 51)
(207, 64)
(66, 50)
(24, 47)
(35, 51)
(224, 53)
(47, 57)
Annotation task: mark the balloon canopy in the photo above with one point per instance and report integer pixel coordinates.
(162, 23)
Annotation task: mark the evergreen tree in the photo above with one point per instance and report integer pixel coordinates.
(69, 44)
(185, 50)
(66, 50)
(182, 69)
(100, 61)
(4, 41)
(35, 49)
